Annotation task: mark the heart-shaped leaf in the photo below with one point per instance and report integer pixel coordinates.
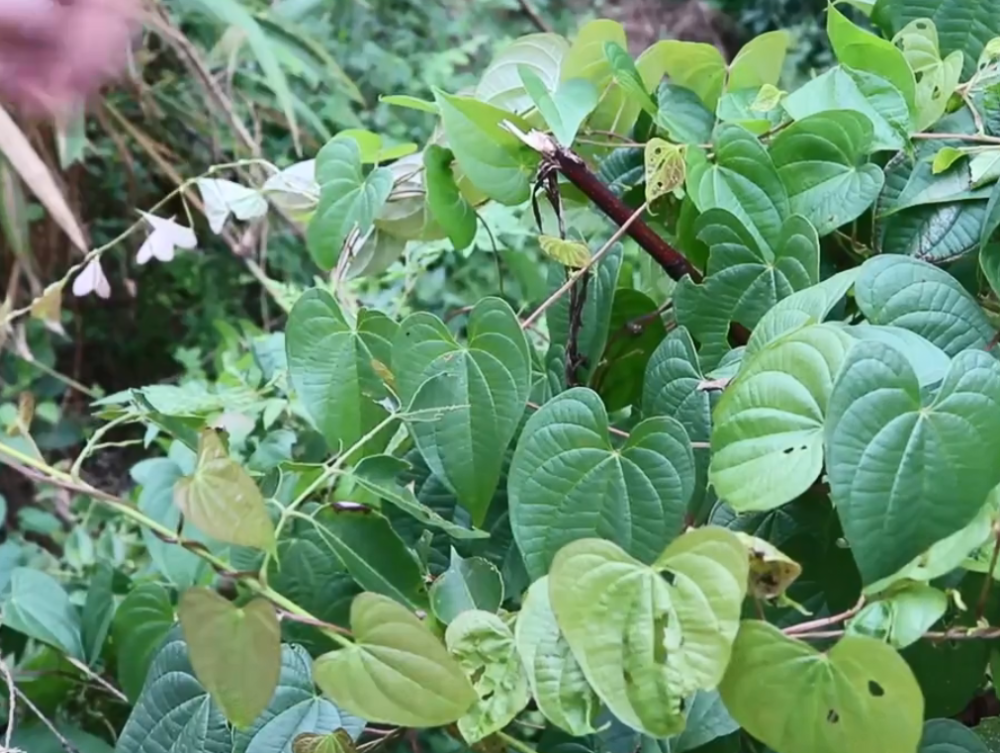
(566, 108)
(446, 203)
(767, 442)
(222, 500)
(759, 61)
(821, 161)
(949, 736)
(501, 84)
(744, 280)
(349, 200)
(658, 633)
(917, 296)
(908, 469)
(568, 481)
(141, 623)
(397, 672)
(36, 605)
(235, 652)
(859, 696)
(484, 647)
(557, 682)
(334, 366)
(936, 79)
(682, 115)
(483, 386)
(467, 584)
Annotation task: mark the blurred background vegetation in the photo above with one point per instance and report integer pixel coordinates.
(206, 86)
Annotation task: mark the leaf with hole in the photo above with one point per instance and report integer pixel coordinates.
(467, 584)
(568, 481)
(665, 168)
(860, 696)
(572, 254)
(397, 672)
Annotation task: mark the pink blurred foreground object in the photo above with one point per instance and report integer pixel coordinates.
(55, 53)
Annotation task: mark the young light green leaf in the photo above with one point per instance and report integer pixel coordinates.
(467, 584)
(557, 682)
(572, 254)
(864, 51)
(924, 299)
(222, 500)
(411, 103)
(860, 696)
(626, 76)
(195, 719)
(484, 647)
(446, 203)
(494, 159)
(908, 469)
(566, 108)
(759, 62)
(822, 162)
(294, 710)
(235, 651)
(945, 158)
(502, 84)
(565, 453)
(484, 386)
(141, 623)
(332, 365)
(349, 200)
(696, 66)
(224, 197)
(36, 605)
(379, 474)
(744, 280)
(936, 79)
(767, 442)
(397, 672)
(902, 616)
(686, 620)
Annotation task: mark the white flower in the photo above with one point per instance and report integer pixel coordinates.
(92, 280)
(223, 197)
(167, 235)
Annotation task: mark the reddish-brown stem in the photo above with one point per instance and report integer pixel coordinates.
(836, 619)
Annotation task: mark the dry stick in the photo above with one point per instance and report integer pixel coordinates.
(11, 706)
(957, 137)
(561, 291)
(67, 745)
(88, 672)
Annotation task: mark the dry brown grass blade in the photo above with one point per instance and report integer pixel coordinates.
(36, 175)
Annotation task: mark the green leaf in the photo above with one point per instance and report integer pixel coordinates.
(936, 79)
(651, 639)
(626, 76)
(379, 473)
(410, 103)
(295, 709)
(448, 207)
(484, 646)
(174, 711)
(707, 720)
(906, 470)
(493, 159)
(372, 552)
(949, 736)
(467, 584)
(843, 88)
(903, 616)
(635, 495)
(333, 366)
(98, 612)
(235, 651)
(222, 500)
(860, 696)
(573, 254)
(863, 51)
(744, 182)
(37, 606)
(822, 162)
(142, 622)
(396, 672)
(918, 296)
(696, 66)
(334, 742)
(683, 116)
(564, 109)
(937, 233)
(557, 683)
(945, 158)
(490, 378)
(744, 280)
(962, 25)
(991, 222)
(502, 84)
(753, 109)
(759, 62)
(349, 200)
(767, 443)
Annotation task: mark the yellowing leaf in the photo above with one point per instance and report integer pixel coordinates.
(338, 741)
(666, 168)
(236, 653)
(771, 570)
(397, 672)
(47, 308)
(760, 61)
(572, 254)
(222, 500)
(768, 97)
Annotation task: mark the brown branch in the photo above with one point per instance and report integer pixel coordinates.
(529, 9)
(807, 627)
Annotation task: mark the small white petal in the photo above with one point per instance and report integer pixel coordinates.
(179, 235)
(90, 280)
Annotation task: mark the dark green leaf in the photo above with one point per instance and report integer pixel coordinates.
(448, 207)
(37, 606)
(682, 115)
(98, 612)
(949, 736)
(141, 624)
